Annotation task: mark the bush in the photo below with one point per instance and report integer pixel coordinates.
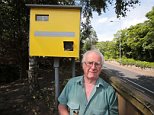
(141, 64)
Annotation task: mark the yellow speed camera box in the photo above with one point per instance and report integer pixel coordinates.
(54, 30)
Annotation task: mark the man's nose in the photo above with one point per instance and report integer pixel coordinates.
(93, 65)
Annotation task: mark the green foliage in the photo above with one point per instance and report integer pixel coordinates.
(108, 49)
(137, 41)
(121, 6)
(150, 16)
(137, 63)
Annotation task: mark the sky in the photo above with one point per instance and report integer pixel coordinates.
(107, 24)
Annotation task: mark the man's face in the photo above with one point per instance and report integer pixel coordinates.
(92, 66)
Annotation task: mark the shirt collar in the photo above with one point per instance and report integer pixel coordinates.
(80, 80)
(99, 82)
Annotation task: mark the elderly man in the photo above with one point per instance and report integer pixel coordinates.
(88, 94)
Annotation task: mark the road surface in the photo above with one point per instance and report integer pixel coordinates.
(143, 78)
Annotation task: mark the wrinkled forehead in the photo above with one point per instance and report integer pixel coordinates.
(93, 56)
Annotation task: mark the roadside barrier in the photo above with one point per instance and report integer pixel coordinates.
(131, 100)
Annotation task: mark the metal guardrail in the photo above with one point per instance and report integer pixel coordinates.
(141, 103)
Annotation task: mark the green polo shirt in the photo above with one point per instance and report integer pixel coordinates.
(103, 99)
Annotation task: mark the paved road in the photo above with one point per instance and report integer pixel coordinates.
(145, 81)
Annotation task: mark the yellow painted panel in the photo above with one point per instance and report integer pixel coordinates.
(63, 23)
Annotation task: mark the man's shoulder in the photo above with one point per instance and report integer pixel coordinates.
(105, 84)
(75, 79)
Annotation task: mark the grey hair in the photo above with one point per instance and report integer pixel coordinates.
(95, 51)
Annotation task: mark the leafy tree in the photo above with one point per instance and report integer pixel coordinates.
(89, 43)
(121, 7)
(108, 49)
(14, 42)
(86, 26)
(149, 38)
(137, 41)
